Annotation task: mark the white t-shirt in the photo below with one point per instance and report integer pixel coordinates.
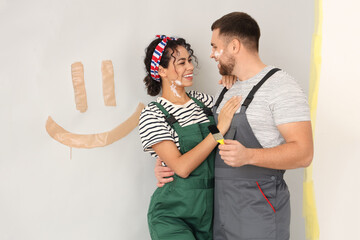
(152, 125)
(279, 100)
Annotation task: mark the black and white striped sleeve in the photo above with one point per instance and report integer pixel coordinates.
(208, 100)
(153, 129)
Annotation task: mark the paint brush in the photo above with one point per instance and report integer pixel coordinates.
(216, 134)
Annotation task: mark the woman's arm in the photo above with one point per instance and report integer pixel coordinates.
(184, 164)
(228, 81)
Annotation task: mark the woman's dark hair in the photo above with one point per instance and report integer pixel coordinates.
(154, 87)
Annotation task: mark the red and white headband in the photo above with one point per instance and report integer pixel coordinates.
(156, 57)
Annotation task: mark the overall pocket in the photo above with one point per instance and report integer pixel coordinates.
(244, 211)
(269, 187)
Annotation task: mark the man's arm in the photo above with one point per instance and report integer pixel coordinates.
(296, 152)
(163, 174)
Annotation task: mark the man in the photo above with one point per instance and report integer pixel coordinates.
(270, 133)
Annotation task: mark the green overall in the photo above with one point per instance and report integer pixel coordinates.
(183, 209)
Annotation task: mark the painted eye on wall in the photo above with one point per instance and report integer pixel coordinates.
(93, 140)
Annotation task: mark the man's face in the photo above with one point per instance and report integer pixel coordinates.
(220, 54)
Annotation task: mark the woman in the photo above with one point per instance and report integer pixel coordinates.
(175, 128)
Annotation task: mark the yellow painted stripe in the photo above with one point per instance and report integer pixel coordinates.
(309, 205)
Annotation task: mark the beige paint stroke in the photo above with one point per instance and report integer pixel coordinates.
(93, 140)
(108, 83)
(77, 73)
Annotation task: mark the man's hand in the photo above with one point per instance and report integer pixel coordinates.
(162, 174)
(234, 153)
(296, 152)
(228, 81)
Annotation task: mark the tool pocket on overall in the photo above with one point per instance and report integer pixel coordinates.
(253, 207)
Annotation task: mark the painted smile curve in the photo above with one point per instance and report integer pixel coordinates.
(93, 140)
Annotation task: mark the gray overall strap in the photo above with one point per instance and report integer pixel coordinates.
(220, 98)
(250, 96)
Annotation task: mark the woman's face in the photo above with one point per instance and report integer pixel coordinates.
(181, 70)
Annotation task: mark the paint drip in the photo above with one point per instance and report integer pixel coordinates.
(218, 54)
(173, 89)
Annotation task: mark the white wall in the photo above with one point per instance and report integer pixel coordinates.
(337, 135)
(104, 193)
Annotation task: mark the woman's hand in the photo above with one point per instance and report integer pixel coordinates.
(162, 174)
(228, 81)
(227, 113)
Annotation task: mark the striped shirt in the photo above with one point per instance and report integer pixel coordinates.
(154, 129)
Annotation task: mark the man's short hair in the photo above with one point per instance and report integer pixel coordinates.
(239, 25)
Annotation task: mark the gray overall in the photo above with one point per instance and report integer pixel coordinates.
(250, 202)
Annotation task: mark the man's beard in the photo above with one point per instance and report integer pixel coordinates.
(227, 68)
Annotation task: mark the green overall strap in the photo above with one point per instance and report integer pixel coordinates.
(206, 110)
(169, 118)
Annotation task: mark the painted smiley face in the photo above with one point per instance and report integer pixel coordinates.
(95, 139)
